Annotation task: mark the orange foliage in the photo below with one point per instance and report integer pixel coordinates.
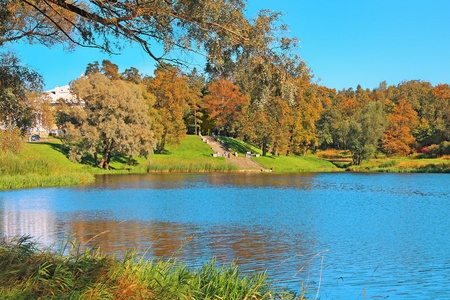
(224, 103)
(397, 137)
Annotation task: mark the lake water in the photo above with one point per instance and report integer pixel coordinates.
(349, 235)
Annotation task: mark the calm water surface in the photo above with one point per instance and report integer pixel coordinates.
(355, 235)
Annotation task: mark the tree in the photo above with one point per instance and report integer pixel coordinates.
(225, 104)
(114, 120)
(197, 85)
(397, 137)
(173, 94)
(132, 75)
(188, 25)
(17, 82)
(365, 131)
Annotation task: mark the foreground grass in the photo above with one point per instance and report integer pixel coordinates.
(27, 272)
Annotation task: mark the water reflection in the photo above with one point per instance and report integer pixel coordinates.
(254, 250)
(19, 219)
(198, 180)
(390, 230)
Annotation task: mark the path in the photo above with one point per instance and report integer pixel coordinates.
(241, 162)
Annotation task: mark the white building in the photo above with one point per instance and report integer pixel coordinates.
(63, 93)
(54, 96)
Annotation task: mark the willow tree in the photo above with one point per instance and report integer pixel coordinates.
(266, 68)
(161, 28)
(113, 121)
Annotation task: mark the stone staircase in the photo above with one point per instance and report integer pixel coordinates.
(220, 150)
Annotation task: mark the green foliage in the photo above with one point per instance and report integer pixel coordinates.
(29, 272)
(17, 82)
(113, 121)
(365, 131)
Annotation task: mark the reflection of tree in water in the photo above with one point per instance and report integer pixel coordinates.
(190, 180)
(253, 250)
(256, 180)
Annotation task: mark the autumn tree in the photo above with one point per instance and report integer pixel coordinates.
(173, 94)
(398, 136)
(132, 75)
(114, 120)
(442, 93)
(225, 104)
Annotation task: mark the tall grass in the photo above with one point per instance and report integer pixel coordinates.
(32, 180)
(403, 165)
(174, 164)
(28, 272)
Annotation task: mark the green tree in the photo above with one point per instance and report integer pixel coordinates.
(17, 83)
(114, 120)
(365, 130)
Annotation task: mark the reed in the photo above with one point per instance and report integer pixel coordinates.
(175, 164)
(28, 272)
(31, 180)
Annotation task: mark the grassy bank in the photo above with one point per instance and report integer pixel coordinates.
(404, 165)
(38, 165)
(45, 164)
(192, 155)
(281, 164)
(27, 272)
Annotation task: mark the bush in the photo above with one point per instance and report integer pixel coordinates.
(433, 151)
(11, 141)
(444, 148)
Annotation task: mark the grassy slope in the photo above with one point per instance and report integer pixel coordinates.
(40, 164)
(281, 164)
(191, 155)
(46, 164)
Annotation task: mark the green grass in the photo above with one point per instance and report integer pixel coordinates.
(45, 164)
(192, 155)
(69, 272)
(293, 164)
(281, 164)
(239, 146)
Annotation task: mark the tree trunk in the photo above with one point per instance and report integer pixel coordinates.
(163, 142)
(101, 164)
(264, 148)
(130, 159)
(103, 160)
(96, 159)
(195, 121)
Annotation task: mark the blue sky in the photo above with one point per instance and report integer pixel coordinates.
(345, 43)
